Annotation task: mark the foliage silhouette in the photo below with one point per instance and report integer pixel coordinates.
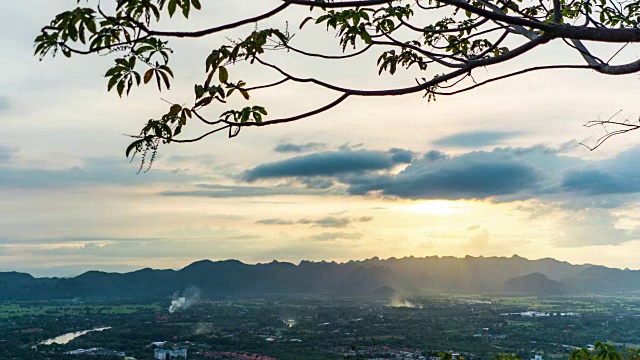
(445, 40)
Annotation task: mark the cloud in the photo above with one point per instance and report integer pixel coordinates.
(503, 174)
(94, 171)
(299, 148)
(328, 222)
(186, 233)
(5, 105)
(317, 183)
(329, 236)
(590, 227)
(275, 222)
(328, 164)
(474, 139)
(479, 241)
(239, 191)
(471, 176)
(6, 154)
(434, 155)
(598, 182)
(617, 175)
(401, 156)
(325, 222)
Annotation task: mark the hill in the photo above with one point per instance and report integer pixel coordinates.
(406, 275)
(535, 284)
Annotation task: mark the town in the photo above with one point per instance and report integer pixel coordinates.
(318, 327)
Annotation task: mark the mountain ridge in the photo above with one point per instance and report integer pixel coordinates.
(490, 275)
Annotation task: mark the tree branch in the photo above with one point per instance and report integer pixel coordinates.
(205, 32)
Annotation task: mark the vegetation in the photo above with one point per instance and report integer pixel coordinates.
(444, 41)
(329, 327)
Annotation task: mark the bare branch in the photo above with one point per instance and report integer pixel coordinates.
(535, 68)
(331, 57)
(621, 128)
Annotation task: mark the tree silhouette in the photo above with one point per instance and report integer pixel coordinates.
(444, 40)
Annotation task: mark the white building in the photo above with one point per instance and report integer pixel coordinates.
(162, 354)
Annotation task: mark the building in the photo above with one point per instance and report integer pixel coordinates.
(162, 354)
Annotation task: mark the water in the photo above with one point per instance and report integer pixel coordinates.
(65, 338)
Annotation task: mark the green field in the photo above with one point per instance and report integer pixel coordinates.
(14, 310)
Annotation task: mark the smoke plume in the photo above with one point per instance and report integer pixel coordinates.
(402, 302)
(190, 296)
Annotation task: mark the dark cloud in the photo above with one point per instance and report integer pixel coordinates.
(325, 222)
(325, 164)
(503, 174)
(329, 222)
(299, 148)
(506, 174)
(401, 155)
(275, 222)
(435, 155)
(329, 236)
(474, 139)
(317, 183)
(454, 179)
(618, 175)
(598, 182)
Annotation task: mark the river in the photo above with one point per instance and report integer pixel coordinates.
(65, 338)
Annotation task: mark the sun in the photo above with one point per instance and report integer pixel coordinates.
(434, 207)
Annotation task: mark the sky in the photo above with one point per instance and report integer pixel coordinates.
(492, 172)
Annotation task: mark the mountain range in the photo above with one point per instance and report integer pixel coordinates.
(488, 275)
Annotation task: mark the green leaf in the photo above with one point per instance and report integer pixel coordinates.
(91, 25)
(223, 75)
(120, 87)
(111, 71)
(260, 109)
(112, 82)
(366, 37)
(244, 93)
(186, 7)
(196, 4)
(172, 7)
